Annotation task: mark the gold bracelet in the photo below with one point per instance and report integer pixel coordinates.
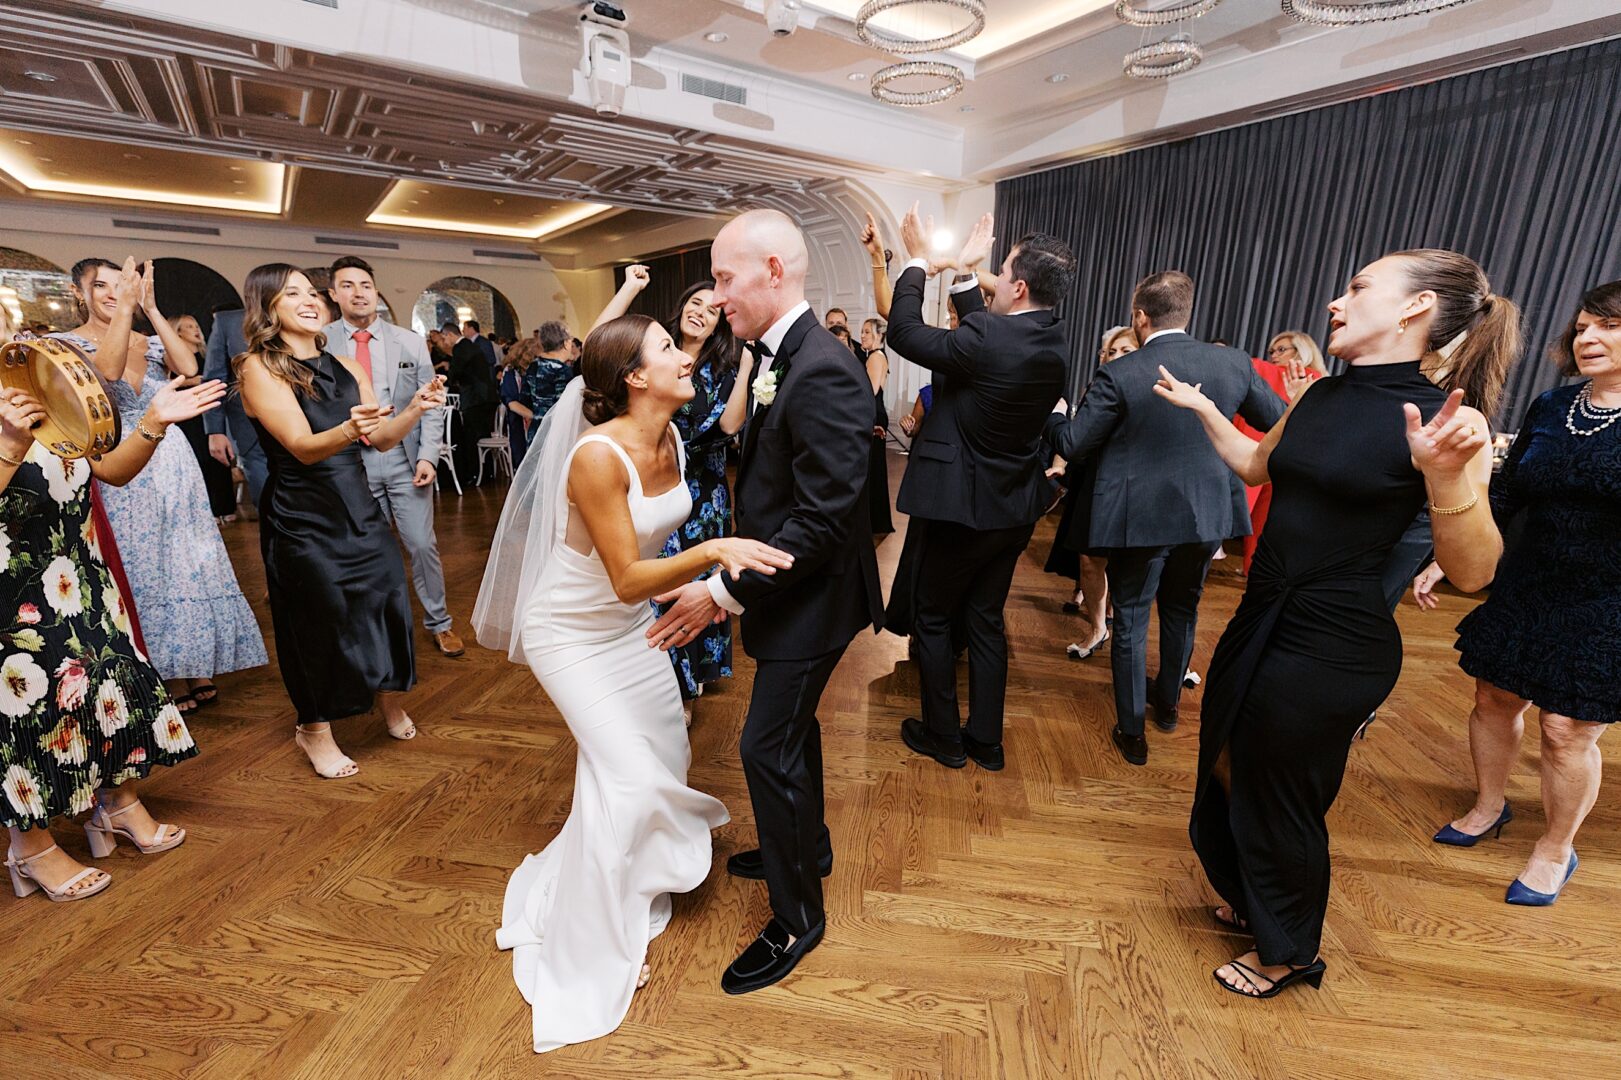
(1448, 510)
(13, 462)
(880, 266)
(140, 427)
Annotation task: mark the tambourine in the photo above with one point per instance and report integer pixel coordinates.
(79, 421)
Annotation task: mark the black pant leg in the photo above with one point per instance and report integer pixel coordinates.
(987, 633)
(946, 567)
(1133, 575)
(1181, 585)
(782, 762)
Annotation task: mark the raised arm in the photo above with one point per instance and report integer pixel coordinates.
(1246, 458)
(170, 405)
(883, 293)
(176, 353)
(737, 402)
(599, 490)
(1453, 451)
(636, 279)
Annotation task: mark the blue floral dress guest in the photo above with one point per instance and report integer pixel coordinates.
(547, 376)
(83, 714)
(194, 618)
(1549, 634)
(518, 359)
(720, 383)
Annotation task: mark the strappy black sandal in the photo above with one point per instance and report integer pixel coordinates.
(186, 703)
(1235, 924)
(1311, 974)
(211, 691)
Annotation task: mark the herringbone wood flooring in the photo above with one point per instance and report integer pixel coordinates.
(1046, 921)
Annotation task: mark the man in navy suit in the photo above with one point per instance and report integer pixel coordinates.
(231, 438)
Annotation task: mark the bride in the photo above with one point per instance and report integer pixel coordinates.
(572, 567)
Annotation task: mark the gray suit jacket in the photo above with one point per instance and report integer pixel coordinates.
(225, 341)
(399, 367)
(1159, 481)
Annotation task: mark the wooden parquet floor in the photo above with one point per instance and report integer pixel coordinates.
(1046, 921)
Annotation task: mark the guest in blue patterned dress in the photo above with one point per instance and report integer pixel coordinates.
(194, 619)
(720, 381)
(547, 376)
(517, 360)
(1550, 632)
(85, 715)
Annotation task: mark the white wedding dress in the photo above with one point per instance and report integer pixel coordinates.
(578, 916)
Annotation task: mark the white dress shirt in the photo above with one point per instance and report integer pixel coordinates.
(1162, 333)
(771, 339)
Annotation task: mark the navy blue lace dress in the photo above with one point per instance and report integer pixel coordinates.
(1551, 629)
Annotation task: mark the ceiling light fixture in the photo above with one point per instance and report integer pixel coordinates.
(1057, 77)
(950, 75)
(902, 46)
(715, 37)
(27, 172)
(1362, 12)
(39, 76)
(1128, 11)
(857, 76)
(582, 212)
(1162, 59)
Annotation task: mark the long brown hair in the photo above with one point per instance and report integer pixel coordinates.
(1465, 305)
(611, 352)
(261, 328)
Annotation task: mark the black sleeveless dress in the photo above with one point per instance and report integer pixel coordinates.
(1311, 651)
(338, 602)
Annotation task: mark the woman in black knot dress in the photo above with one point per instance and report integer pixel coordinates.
(338, 603)
(1550, 633)
(1313, 647)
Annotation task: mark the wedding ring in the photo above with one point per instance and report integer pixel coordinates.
(1469, 430)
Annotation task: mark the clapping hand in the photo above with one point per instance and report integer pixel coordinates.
(915, 233)
(873, 242)
(637, 277)
(1179, 393)
(149, 292)
(978, 246)
(1443, 447)
(177, 402)
(130, 287)
(19, 414)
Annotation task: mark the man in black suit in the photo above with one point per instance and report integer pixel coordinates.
(801, 487)
(975, 477)
(472, 379)
(1163, 501)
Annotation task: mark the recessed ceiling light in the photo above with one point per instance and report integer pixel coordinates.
(715, 37)
(416, 202)
(46, 160)
(499, 202)
(857, 76)
(58, 172)
(132, 157)
(966, 108)
(39, 76)
(1058, 77)
(25, 142)
(234, 168)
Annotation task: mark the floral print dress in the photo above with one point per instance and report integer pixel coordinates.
(709, 656)
(80, 707)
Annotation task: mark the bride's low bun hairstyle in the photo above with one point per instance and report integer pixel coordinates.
(611, 353)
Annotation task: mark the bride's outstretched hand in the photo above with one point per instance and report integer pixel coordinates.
(1179, 393)
(1444, 447)
(736, 554)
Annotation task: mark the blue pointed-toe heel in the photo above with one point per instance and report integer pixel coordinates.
(1519, 894)
(1449, 835)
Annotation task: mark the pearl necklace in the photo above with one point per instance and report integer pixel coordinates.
(1583, 404)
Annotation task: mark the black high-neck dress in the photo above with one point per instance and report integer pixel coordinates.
(338, 603)
(1311, 651)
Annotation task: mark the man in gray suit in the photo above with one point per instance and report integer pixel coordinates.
(402, 479)
(1164, 500)
(231, 438)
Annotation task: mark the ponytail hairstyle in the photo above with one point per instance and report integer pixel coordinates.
(261, 327)
(1601, 300)
(84, 267)
(720, 348)
(1466, 307)
(611, 353)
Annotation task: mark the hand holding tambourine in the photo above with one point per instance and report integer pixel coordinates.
(78, 418)
(19, 413)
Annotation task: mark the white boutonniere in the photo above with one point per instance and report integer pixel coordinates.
(765, 386)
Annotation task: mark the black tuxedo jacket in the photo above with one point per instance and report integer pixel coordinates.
(470, 376)
(977, 462)
(1159, 481)
(802, 487)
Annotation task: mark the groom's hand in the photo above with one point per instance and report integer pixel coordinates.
(692, 611)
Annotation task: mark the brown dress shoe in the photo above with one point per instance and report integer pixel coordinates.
(448, 643)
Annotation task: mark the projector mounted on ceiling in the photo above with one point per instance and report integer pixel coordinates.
(605, 59)
(782, 16)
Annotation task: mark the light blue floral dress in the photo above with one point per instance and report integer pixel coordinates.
(194, 618)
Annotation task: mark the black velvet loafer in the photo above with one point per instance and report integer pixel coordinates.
(924, 742)
(750, 864)
(769, 958)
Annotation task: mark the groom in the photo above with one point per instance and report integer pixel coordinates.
(801, 487)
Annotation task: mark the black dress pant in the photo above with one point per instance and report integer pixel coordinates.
(964, 574)
(1171, 578)
(782, 762)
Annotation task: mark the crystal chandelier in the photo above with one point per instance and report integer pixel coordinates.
(951, 83)
(1361, 12)
(902, 46)
(1162, 59)
(1127, 11)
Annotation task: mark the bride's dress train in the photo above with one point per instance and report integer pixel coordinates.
(578, 916)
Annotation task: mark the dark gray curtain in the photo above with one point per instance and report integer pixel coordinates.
(1518, 167)
(669, 277)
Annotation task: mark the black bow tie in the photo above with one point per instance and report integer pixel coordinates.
(761, 350)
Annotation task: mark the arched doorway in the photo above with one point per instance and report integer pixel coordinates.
(458, 299)
(185, 287)
(35, 292)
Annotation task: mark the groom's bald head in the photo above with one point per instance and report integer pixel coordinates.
(758, 261)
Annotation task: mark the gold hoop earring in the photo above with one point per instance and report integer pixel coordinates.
(1401, 325)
